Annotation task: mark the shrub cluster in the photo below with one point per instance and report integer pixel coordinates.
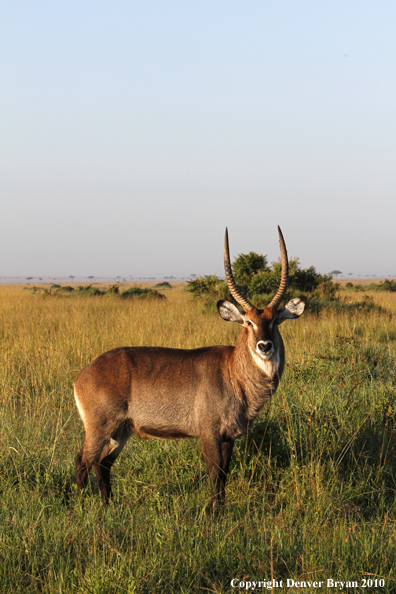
(258, 282)
(139, 293)
(90, 291)
(163, 285)
(386, 285)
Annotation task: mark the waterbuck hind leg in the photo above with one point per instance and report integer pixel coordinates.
(102, 468)
(102, 445)
(101, 455)
(84, 461)
(102, 471)
(82, 471)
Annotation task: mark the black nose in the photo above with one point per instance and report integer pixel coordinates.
(264, 347)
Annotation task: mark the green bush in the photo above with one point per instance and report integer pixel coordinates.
(139, 293)
(204, 285)
(246, 266)
(327, 291)
(163, 285)
(263, 281)
(113, 289)
(259, 282)
(88, 290)
(338, 305)
(386, 285)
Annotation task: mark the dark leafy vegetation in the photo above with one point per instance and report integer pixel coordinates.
(163, 285)
(258, 282)
(386, 285)
(340, 304)
(90, 291)
(140, 293)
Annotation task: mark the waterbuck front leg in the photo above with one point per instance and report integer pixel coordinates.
(217, 456)
(226, 451)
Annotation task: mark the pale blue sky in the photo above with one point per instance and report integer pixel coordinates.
(133, 132)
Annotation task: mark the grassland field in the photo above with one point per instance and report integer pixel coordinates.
(311, 490)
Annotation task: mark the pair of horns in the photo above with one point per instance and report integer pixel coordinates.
(244, 303)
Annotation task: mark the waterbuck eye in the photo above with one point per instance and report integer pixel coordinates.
(248, 323)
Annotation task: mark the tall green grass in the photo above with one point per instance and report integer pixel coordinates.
(311, 489)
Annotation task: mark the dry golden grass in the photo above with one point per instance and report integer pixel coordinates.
(311, 491)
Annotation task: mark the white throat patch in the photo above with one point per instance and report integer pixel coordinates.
(268, 366)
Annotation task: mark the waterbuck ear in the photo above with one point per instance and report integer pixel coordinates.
(292, 310)
(229, 312)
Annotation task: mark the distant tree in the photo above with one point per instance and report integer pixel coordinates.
(29, 277)
(71, 277)
(335, 272)
(90, 277)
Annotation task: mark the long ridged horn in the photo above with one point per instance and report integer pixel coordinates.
(284, 274)
(230, 279)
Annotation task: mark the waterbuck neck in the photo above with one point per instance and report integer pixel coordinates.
(256, 377)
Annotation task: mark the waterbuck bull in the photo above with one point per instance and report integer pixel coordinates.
(211, 393)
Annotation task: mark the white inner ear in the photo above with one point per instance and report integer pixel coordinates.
(230, 313)
(292, 310)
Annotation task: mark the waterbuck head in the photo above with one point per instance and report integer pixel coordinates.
(261, 325)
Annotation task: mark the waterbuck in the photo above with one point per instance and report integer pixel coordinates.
(211, 393)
